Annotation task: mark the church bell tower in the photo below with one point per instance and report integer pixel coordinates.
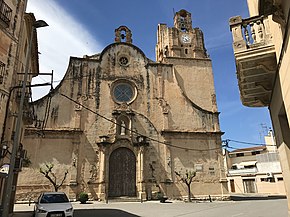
(180, 41)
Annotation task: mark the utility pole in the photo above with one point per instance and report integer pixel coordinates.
(16, 139)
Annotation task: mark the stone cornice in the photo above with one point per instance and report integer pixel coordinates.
(30, 131)
(174, 132)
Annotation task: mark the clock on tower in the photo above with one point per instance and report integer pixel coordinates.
(180, 41)
(185, 38)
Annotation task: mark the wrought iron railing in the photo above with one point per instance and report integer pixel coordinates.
(5, 13)
(27, 94)
(2, 70)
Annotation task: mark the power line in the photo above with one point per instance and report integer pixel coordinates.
(133, 131)
(73, 78)
(247, 143)
(226, 141)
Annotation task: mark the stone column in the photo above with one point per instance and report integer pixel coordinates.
(141, 163)
(74, 164)
(102, 175)
(73, 172)
(140, 173)
(239, 42)
(168, 162)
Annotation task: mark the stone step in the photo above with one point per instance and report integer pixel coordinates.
(124, 199)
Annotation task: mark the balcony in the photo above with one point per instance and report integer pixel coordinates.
(244, 171)
(27, 93)
(255, 57)
(5, 14)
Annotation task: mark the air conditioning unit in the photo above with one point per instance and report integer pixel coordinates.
(269, 175)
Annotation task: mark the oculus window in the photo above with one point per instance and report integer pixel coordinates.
(123, 61)
(123, 91)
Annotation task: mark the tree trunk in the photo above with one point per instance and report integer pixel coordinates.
(56, 188)
(189, 192)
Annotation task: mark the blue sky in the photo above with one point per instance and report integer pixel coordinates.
(78, 28)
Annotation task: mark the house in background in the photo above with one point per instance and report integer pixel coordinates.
(255, 169)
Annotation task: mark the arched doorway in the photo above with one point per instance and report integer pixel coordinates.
(122, 173)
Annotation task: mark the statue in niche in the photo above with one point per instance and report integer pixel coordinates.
(123, 128)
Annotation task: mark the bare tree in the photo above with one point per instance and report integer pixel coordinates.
(187, 179)
(46, 170)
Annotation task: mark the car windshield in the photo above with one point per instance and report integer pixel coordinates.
(54, 198)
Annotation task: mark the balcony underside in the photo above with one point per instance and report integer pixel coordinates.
(256, 73)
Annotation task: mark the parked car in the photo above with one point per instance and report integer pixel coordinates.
(53, 204)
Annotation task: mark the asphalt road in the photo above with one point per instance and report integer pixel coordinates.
(262, 208)
(251, 208)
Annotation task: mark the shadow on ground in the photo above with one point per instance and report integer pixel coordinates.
(23, 214)
(102, 212)
(87, 213)
(256, 197)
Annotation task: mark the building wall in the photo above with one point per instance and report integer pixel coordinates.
(279, 103)
(58, 149)
(233, 159)
(279, 107)
(181, 129)
(267, 187)
(262, 186)
(10, 37)
(263, 169)
(149, 120)
(253, 6)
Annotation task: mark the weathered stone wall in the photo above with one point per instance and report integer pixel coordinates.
(180, 134)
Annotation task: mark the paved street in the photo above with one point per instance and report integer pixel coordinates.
(257, 208)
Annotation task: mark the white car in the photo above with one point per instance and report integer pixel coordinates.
(53, 204)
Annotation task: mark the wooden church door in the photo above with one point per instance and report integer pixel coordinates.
(122, 173)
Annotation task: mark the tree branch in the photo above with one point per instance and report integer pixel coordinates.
(65, 174)
(47, 172)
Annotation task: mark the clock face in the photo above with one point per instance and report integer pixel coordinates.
(185, 38)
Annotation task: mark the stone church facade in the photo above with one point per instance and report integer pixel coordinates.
(123, 125)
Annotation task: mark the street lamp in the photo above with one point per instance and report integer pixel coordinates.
(16, 139)
(4, 150)
(141, 141)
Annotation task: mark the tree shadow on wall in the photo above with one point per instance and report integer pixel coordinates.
(102, 212)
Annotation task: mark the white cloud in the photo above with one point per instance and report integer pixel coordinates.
(64, 37)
